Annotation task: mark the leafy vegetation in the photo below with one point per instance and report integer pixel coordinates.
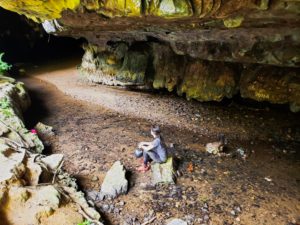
(86, 222)
(4, 103)
(3, 65)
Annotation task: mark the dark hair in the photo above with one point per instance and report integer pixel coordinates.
(155, 129)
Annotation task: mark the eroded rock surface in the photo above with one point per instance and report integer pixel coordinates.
(163, 172)
(115, 182)
(275, 85)
(33, 186)
(197, 47)
(154, 65)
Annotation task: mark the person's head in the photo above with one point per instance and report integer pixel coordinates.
(155, 131)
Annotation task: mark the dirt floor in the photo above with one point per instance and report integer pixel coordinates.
(94, 130)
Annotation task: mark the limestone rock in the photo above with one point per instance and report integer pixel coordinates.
(13, 101)
(11, 164)
(79, 198)
(168, 67)
(163, 172)
(205, 81)
(115, 182)
(214, 147)
(176, 222)
(39, 10)
(119, 66)
(275, 85)
(33, 171)
(44, 131)
(53, 161)
(21, 171)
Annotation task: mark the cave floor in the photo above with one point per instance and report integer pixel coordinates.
(97, 125)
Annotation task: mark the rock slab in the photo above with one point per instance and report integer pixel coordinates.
(115, 182)
(163, 172)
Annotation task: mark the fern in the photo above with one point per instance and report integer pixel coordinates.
(3, 65)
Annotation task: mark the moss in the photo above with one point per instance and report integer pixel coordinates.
(276, 85)
(170, 8)
(3, 65)
(264, 4)
(133, 69)
(207, 81)
(40, 10)
(91, 4)
(233, 22)
(113, 8)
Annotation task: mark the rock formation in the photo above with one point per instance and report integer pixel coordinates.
(115, 182)
(33, 186)
(204, 49)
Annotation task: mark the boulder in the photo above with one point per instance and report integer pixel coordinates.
(115, 182)
(163, 172)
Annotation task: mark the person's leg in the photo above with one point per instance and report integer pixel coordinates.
(154, 156)
(146, 158)
(146, 163)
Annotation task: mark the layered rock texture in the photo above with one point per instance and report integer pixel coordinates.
(115, 182)
(205, 49)
(33, 186)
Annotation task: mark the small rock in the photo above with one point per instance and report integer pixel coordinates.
(176, 222)
(232, 212)
(268, 179)
(94, 178)
(116, 211)
(237, 209)
(105, 208)
(206, 218)
(121, 203)
(43, 130)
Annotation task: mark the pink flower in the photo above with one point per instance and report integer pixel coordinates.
(33, 131)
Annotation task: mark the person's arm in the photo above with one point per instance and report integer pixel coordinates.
(142, 144)
(148, 147)
(151, 145)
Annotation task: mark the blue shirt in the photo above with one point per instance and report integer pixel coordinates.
(159, 148)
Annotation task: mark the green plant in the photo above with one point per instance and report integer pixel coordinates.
(86, 222)
(3, 65)
(4, 103)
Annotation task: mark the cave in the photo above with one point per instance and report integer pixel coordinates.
(139, 112)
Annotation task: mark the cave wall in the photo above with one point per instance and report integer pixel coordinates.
(204, 49)
(156, 65)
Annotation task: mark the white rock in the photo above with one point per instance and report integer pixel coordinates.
(115, 182)
(53, 161)
(11, 163)
(176, 222)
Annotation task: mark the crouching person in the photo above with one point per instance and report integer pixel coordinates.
(152, 151)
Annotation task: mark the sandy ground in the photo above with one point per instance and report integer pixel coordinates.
(98, 125)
